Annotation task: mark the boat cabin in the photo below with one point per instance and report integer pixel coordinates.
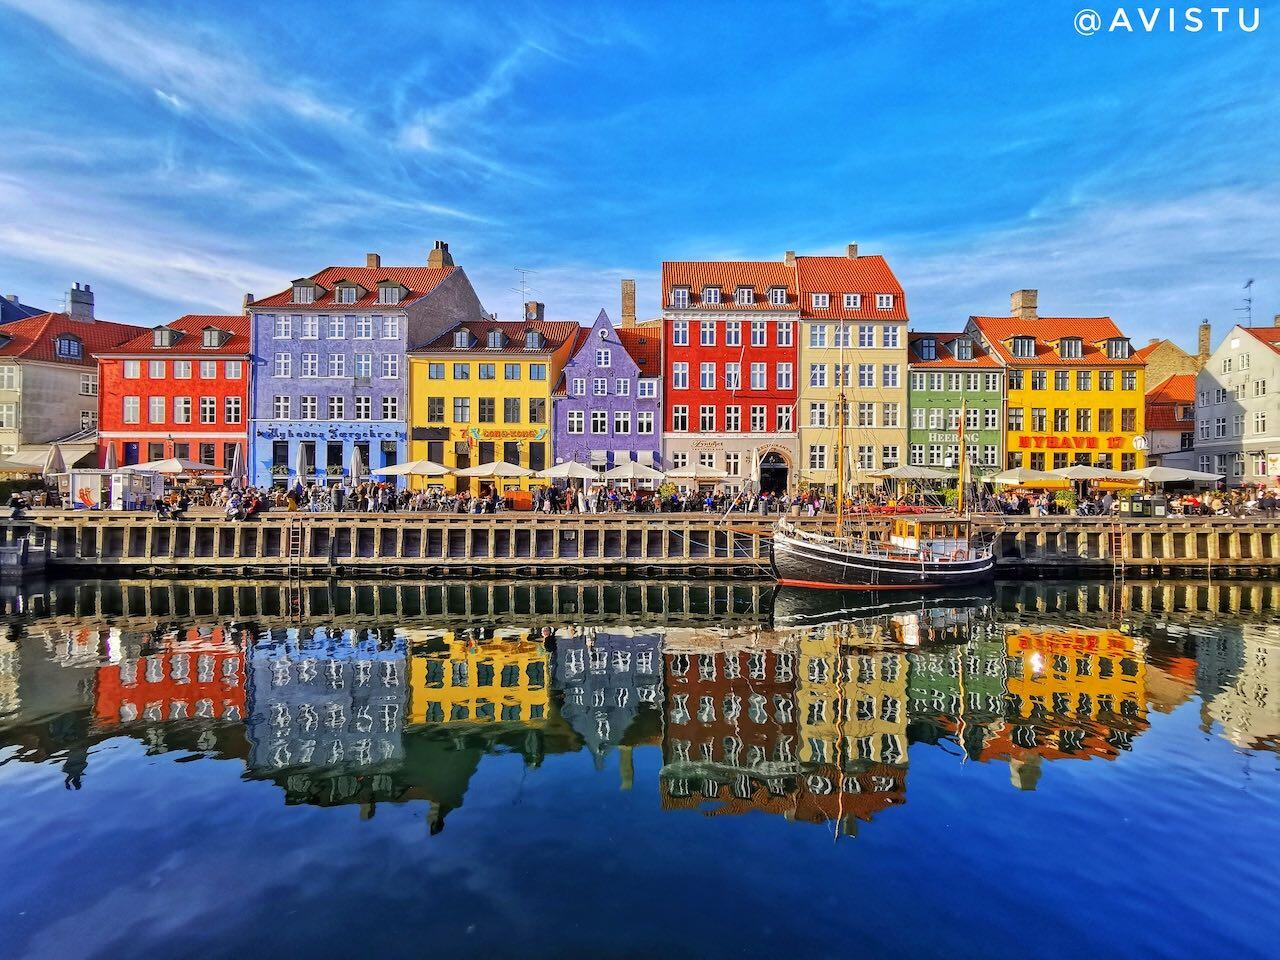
(935, 538)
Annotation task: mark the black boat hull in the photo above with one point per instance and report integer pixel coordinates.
(805, 563)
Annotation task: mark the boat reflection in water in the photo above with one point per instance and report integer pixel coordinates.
(810, 713)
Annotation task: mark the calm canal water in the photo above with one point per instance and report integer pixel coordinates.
(605, 770)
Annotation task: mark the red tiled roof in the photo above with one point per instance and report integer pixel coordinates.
(556, 333)
(1143, 353)
(418, 281)
(1092, 330)
(192, 326)
(945, 357)
(33, 338)
(728, 275)
(1268, 335)
(645, 347)
(1164, 399)
(865, 275)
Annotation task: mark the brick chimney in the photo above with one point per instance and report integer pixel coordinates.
(80, 302)
(851, 251)
(11, 297)
(1023, 304)
(1276, 320)
(372, 260)
(1205, 346)
(628, 303)
(533, 310)
(790, 258)
(440, 256)
(248, 299)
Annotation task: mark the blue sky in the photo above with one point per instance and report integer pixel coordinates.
(176, 156)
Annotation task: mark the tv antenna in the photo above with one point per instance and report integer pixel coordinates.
(524, 289)
(1247, 309)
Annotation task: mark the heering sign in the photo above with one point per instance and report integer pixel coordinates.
(1050, 442)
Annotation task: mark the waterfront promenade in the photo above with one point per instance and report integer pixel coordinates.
(527, 545)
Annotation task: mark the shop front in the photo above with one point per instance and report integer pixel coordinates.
(461, 447)
(751, 462)
(325, 450)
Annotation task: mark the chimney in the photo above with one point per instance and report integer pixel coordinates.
(248, 299)
(1023, 303)
(790, 258)
(628, 303)
(80, 302)
(11, 297)
(1276, 320)
(440, 256)
(851, 251)
(372, 260)
(1153, 341)
(533, 310)
(1205, 346)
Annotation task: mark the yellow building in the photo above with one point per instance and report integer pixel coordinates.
(481, 393)
(503, 680)
(1075, 388)
(1076, 673)
(853, 337)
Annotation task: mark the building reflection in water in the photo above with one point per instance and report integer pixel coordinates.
(813, 720)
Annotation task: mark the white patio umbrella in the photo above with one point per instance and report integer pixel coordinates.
(237, 473)
(358, 468)
(570, 470)
(1024, 476)
(110, 462)
(1170, 475)
(54, 463)
(172, 466)
(498, 468)
(634, 470)
(1083, 471)
(300, 465)
(696, 471)
(909, 472)
(414, 468)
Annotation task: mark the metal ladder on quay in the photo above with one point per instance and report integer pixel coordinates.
(1116, 545)
(297, 538)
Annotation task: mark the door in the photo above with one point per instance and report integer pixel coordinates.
(773, 474)
(130, 454)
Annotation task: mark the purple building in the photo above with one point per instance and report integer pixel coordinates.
(607, 407)
(330, 363)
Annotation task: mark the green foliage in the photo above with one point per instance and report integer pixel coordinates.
(1066, 499)
(667, 489)
(951, 496)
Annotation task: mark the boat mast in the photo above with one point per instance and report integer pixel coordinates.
(960, 486)
(840, 405)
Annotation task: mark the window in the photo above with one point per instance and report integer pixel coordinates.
(733, 376)
(338, 365)
(622, 387)
(1024, 347)
(1084, 420)
(680, 333)
(853, 301)
(1129, 381)
(390, 408)
(364, 408)
(599, 421)
(132, 370)
(866, 457)
(232, 412)
(1260, 422)
(644, 422)
(784, 333)
(1084, 380)
(310, 327)
(782, 418)
(817, 456)
(346, 295)
(817, 335)
(208, 369)
(308, 408)
(208, 409)
(487, 410)
(680, 298)
(706, 419)
(759, 376)
(1259, 463)
(132, 406)
(281, 408)
(680, 376)
(647, 390)
(155, 410)
(744, 296)
(1071, 348)
(1205, 463)
(732, 419)
(733, 333)
(1106, 380)
(622, 422)
(1061, 419)
(310, 365)
(707, 376)
(283, 365)
(283, 328)
(462, 339)
(866, 414)
(390, 366)
(577, 421)
(1039, 379)
(707, 333)
(679, 418)
(600, 387)
(338, 328)
(866, 375)
(711, 296)
(182, 410)
(866, 335)
(88, 383)
(461, 409)
(364, 328)
(889, 375)
(1039, 419)
(511, 371)
(1204, 429)
(1118, 348)
(758, 418)
(488, 371)
(1237, 425)
(1128, 419)
(1244, 361)
(1062, 379)
(817, 374)
(783, 376)
(778, 296)
(1015, 379)
(156, 369)
(820, 301)
(511, 410)
(182, 369)
(364, 365)
(1015, 418)
(927, 348)
(389, 295)
(759, 333)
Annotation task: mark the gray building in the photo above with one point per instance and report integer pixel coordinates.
(1237, 409)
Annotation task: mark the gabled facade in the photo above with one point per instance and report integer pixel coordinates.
(330, 359)
(1171, 422)
(1074, 388)
(48, 377)
(729, 369)
(180, 390)
(482, 392)
(607, 405)
(951, 373)
(1237, 421)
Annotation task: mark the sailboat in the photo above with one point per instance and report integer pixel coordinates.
(921, 552)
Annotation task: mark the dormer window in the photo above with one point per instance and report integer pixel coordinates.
(347, 295)
(214, 338)
(533, 340)
(69, 347)
(496, 340)
(821, 301)
(711, 296)
(778, 296)
(884, 301)
(680, 298)
(462, 339)
(963, 348)
(1118, 348)
(853, 301)
(1023, 347)
(744, 296)
(1071, 348)
(389, 293)
(304, 293)
(163, 337)
(927, 347)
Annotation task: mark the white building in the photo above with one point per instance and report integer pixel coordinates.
(1237, 408)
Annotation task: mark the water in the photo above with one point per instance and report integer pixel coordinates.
(232, 770)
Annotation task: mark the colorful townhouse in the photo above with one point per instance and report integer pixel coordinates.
(48, 377)
(1237, 420)
(952, 376)
(1171, 422)
(180, 390)
(607, 404)
(482, 392)
(853, 338)
(330, 363)
(1074, 388)
(729, 369)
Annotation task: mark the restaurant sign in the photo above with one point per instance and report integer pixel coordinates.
(1037, 441)
(502, 433)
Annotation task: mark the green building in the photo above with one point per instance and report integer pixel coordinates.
(948, 371)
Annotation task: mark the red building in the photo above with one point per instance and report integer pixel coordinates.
(730, 368)
(180, 390)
